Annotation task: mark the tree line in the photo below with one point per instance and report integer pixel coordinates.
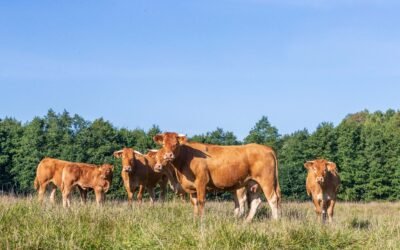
(365, 146)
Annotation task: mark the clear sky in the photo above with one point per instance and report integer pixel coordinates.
(192, 66)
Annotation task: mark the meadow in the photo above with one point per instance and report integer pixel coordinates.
(26, 224)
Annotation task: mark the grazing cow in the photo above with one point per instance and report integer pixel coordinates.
(49, 171)
(322, 185)
(86, 176)
(137, 171)
(202, 166)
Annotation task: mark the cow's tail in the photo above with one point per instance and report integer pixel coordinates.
(36, 183)
(277, 187)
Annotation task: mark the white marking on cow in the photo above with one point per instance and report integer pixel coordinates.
(253, 209)
(137, 152)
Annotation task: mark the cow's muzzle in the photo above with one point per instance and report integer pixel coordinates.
(320, 180)
(158, 168)
(169, 156)
(127, 169)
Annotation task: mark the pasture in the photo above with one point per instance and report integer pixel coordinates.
(26, 224)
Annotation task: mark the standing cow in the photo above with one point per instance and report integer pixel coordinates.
(137, 172)
(49, 171)
(202, 166)
(322, 185)
(97, 178)
(250, 193)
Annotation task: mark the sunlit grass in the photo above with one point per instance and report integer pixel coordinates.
(25, 224)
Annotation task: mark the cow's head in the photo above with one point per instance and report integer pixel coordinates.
(106, 175)
(171, 143)
(320, 168)
(127, 156)
(161, 162)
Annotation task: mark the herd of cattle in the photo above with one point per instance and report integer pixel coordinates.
(194, 168)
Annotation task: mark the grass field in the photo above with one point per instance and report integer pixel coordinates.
(25, 224)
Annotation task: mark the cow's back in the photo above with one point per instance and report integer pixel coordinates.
(50, 169)
(228, 165)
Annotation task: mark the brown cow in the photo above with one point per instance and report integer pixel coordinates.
(86, 176)
(200, 166)
(169, 171)
(322, 184)
(250, 193)
(49, 171)
(137, 171)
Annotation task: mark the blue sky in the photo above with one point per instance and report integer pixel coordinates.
(192, 66)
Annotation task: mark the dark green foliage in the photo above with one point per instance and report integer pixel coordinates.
(218, 137)
(365, 146)
(31, 150)
(292, 174)
(10, 134)
(263, 133)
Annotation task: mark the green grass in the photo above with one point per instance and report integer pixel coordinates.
(25, 224)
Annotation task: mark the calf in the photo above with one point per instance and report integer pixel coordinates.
(49, 171)
(322, 185)
(137, 172)
(97, 178)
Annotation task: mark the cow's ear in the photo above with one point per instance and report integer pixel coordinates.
(182, 138)
(308, 165)
(331, 166)
(118, 154)
(159, 139)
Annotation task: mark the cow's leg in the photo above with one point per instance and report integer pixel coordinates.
(240, 198)
(41, 192)
(53, 194)
(182, 196)
(255, 201)
(99, 196)
(324, 207)
(194, 201)
(130, 192)
(270, 193)
(201, 182)
(152, 195)
(66, 195)
(237, 205)
(83, 194)
(201, 198)
(140, 194)
(163, 186)
(330, 210)
(317, 208)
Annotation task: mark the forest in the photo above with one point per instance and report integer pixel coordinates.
(365, 146)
